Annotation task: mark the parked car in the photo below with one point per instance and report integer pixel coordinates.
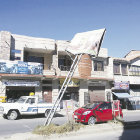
(25, 105)
(96, 112)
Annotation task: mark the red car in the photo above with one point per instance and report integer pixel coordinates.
(96, 112)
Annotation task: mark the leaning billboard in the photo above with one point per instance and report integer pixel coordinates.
(19, 67)
(87, 42)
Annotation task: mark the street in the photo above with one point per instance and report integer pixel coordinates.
(27, 124)
(132, 134)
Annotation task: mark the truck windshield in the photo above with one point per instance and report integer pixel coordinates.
(21, 100)
(90, 106)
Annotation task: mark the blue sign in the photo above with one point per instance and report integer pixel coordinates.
(21, 67)
(121, 85)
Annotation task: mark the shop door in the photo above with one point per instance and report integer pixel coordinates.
(97, 93)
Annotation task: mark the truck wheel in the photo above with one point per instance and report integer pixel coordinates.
(12, 115)
(4, 116)
(46, 113)
(91, 120)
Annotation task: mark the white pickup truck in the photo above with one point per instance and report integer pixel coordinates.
(25, 105)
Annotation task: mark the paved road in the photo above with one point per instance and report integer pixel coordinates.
(26, 124)
(9, 127)
(131, 115)
(131, 134)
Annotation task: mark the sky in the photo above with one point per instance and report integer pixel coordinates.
(62, 19)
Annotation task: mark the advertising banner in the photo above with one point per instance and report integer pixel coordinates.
(21, 67)
(121, 85)
(26, 83)
(87, 42)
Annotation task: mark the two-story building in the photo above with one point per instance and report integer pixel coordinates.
(40, 65)
(126, 77)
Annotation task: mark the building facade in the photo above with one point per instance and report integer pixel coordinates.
(40, 65)
(127, 77)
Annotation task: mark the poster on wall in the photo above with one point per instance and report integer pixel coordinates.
(12, 67)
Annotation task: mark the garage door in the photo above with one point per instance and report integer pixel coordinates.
(97, 93)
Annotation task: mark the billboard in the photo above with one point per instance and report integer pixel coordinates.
(19, 67)
(87, 42)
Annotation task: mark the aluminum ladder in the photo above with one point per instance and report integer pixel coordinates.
(63, 89)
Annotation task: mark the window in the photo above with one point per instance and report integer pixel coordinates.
(16, 51)
(31, 100)
(105, 106)
(35, 59)
(13, 55)
(134, 70)
(64, 63)
(98, 66)
(15, 58)
(124, 69)
(116, 68)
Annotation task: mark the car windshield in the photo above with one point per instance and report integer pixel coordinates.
(90, 106)
(21, 100)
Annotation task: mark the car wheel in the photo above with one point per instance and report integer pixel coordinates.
(91, 120)
(12, 115)
(46, 113)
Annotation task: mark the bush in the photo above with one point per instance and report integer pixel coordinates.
(52, 129)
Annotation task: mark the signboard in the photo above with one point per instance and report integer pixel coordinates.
(20, 67)
(87, 42)
(26, 83)
(72, 83)
(121, 85)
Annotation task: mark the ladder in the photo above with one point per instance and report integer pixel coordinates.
(63, 89)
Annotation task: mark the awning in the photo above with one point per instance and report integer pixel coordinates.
(122, 95)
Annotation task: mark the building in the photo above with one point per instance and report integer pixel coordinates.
(126, 77)
(40, 65)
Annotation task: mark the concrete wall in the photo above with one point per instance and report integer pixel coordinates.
(5, 44)
(2, 89)
(55, 90)
(83, 88)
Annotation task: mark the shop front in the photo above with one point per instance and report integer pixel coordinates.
(121, 92)
(71, 93)
(96, 93)
(17, 88)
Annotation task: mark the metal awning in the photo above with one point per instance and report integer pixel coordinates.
(122, 95)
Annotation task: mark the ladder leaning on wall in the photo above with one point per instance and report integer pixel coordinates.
(63, 89)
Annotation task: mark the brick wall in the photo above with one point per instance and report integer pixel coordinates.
(85, 66)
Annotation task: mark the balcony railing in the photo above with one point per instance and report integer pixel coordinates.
(64, 68)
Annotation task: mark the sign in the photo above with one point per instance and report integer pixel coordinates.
(72, 83)
(87, 42)
(26, 83)
(121, 85)
(14, 67)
